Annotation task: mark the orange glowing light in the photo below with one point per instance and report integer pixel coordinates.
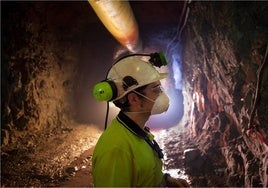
(119, 20)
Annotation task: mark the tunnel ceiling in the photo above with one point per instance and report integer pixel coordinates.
(161, 12)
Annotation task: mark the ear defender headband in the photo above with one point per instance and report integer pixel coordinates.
(106, 90)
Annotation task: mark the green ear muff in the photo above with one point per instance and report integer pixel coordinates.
(105, 91)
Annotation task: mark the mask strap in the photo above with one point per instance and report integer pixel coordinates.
(143, 96)
(141, 112)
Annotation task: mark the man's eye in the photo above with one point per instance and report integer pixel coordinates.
(157, 89)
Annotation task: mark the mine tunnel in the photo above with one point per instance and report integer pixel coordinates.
(215, 132)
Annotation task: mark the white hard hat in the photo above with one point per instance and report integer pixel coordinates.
(131, 73)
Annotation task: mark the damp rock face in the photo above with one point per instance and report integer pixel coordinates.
(225, 76)
(36, 86)
(39, 60)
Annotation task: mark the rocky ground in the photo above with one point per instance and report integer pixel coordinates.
(79, 172)
(65, 159)
(55, 160)
(182, 159)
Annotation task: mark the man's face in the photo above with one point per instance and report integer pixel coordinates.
(152, 91)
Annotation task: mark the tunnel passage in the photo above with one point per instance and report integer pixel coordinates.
(53, 53)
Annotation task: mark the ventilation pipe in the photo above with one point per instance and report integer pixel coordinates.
(118, 18)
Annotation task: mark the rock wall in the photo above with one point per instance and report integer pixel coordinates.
(47, 53)
(36, 87)
(225, 78)
(40, 77)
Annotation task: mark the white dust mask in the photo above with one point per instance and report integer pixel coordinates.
(161, 104)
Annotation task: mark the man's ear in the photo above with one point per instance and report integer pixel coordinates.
(133, 98)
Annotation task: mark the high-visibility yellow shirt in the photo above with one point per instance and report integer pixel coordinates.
(123, 159)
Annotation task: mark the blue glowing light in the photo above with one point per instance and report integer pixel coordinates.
(176, 67)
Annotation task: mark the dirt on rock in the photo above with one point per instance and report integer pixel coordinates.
(80, 172)
(55, 161)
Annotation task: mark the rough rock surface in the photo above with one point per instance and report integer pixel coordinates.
(225, 75)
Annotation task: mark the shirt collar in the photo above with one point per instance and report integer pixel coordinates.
(131, 125)
(143, 133)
